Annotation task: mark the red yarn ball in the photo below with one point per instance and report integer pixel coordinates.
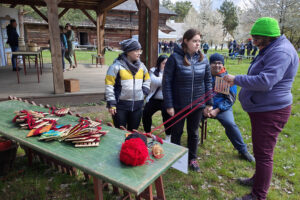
(134, 152)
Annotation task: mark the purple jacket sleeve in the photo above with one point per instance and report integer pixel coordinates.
(272, 72)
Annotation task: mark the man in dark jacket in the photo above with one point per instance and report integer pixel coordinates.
(12, 40)
(222, 108)
(249, 47)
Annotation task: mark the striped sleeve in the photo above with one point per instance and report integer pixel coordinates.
(146, 82)
(110, 80)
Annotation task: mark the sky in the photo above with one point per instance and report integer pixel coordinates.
(216, 3)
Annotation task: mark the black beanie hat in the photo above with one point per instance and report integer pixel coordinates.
(216, 57)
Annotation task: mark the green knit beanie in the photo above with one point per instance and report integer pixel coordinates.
(266, 26)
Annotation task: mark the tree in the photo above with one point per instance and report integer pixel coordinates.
(182, 8)
(285, 11)
(230, 20)
(207, 21)
(168, 4)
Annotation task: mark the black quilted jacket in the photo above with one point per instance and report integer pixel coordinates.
(184, 84)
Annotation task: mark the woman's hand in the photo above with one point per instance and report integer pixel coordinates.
(171, 111)
(207, 110)
(112, 111)
(229, 79)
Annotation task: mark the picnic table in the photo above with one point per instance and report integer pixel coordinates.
(101, 162)
(38, 60)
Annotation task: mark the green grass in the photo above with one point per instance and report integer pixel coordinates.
(219, 162)
(84, 57)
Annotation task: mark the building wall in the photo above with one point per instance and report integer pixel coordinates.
(120, 26)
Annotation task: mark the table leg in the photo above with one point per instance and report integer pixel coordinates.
(37, 68)
(28, 61)
(40, 63)
(98, 185)
(29, 156)
(147, 194)
(42, 59)
(24, 64)
(126, 195)
(159, 186)
(16, 57)
(116, 190)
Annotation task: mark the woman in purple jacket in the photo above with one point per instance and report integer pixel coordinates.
(266, 96)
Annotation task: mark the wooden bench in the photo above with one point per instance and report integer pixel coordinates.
(98, 58)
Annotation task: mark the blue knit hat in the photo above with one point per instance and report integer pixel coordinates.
(216, 57)
(130, 45)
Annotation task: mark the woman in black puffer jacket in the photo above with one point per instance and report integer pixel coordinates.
(186, 78)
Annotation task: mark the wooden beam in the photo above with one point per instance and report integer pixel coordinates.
(107, 5)
(62, 13)
(153, 33)
(143, 30)
(137, 3)
(148, 3)
(100, 34)
(39, 13)
(56, 55)
(89, 16)
(63, 4)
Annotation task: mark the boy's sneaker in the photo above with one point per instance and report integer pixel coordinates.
(194, 166)
(247, 156)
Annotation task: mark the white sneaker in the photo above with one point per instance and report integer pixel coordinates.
(168, 138)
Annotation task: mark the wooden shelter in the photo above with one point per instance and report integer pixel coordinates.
(148, 27)
(121, 23)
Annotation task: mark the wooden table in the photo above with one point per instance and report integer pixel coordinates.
(100, 162)
(37, 59)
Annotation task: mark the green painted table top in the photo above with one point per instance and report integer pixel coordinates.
(102, 161)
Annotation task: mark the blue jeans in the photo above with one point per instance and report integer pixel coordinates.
(232, 131)
(13, 58)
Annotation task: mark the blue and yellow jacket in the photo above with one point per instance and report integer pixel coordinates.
(222, 101)
(124, 90)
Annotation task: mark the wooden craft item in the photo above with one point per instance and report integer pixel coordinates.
(90, 144)
(221, 86)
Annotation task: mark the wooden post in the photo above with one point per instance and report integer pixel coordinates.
(100, 35)
(153, 33)
(58, 77)
(148, 31)
(143, 29)
(21, 22)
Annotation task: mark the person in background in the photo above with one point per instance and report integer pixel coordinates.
(13, 41)
(70, 50)
(222, 108)
(171, 45)
(254, 50)
(234, 44)
(186, 78)
(242, 49)
(249, 47)
(155, 100)
(230, 47)
(267, 98)
(126, 83)
(64, 46)
(205, 48)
